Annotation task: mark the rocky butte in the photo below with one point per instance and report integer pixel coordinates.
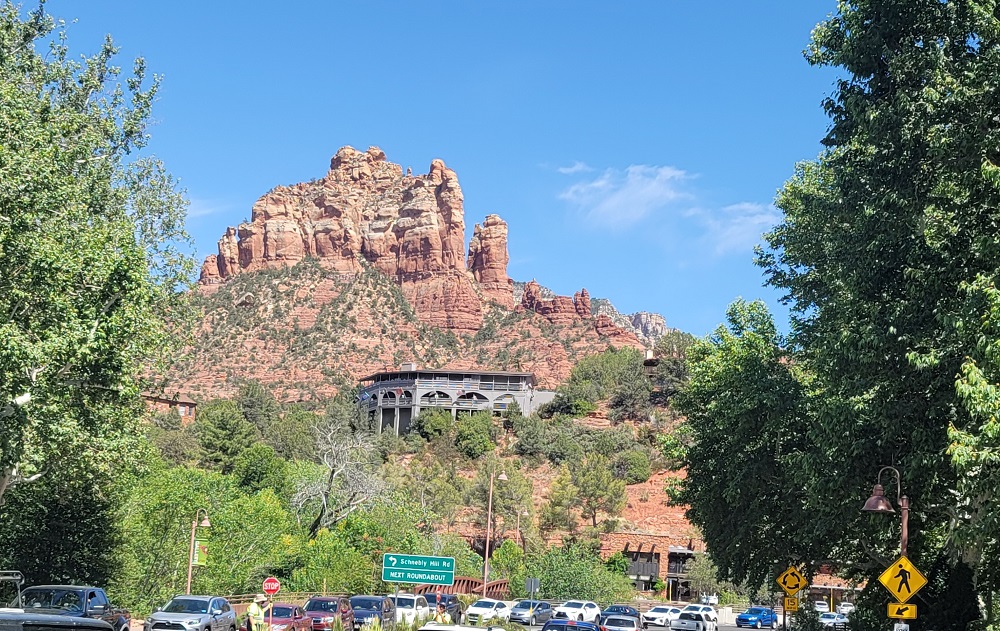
(366, 211)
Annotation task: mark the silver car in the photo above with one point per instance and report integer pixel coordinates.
(193, 613)
(622, 623)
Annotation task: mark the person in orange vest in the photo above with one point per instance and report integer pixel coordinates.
(256, 612)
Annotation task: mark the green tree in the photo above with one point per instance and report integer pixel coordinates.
(564, 498)
(599, 490)
(671, 371)
(259, 467)
(258, 406)
(89, 234)
(510, 497)
(474, 434)
(293, 437)
(743, 398)
(433, 423)
(632, 467)
(575, 571)
(224, 433)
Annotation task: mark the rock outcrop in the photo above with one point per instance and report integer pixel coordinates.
(647, 327)
(488, 260)
(411, 228)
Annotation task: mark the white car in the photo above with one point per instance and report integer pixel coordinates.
(845, 608)
(487, 610)
(661, 615)
(829, 619)
(693, 621)
(704, 609)
(580, 610)
(411, 608)
(822, 606)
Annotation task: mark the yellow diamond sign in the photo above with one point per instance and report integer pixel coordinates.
(902, 579)
(791, 580)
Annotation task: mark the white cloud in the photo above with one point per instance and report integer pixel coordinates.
(576, 167)
(738, 226)
(205, 208)
(618, 199)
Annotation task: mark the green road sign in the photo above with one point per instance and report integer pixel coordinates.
(416, 569)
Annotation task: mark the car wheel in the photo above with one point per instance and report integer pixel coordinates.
(579, 618)
(532, 622)
(774, 624)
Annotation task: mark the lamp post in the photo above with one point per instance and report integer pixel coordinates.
(878, 503)
(489, 527)
(194, 526)
(521, 513)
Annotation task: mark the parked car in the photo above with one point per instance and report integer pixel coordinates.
(451, 604)
(411, 608)
(620, 610)
(564, 624)
(14, 619)
(75, 601)
(289, 617)
(487, 610)
(579, 610)
(710, 599)
(193, 613)
(846, 608)
(758, 617)
(621, 623)
(661, 615)
(705, 609)
(692, 621)
(830, 619)
(322, 611)
(531, 612)
(368, 608)
(821, 606)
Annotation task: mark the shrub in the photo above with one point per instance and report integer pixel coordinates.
(530, 432)
(632, 466)
(474, 435)
(433, 423)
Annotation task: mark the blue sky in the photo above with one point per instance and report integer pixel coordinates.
(634, 148)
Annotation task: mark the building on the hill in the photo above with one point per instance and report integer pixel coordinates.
(393, 398)
(653, 557)
(183, 405)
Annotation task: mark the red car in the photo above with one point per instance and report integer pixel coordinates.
(287, 617)
(323, 610)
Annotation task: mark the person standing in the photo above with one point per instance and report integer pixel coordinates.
(442, 616)
(256, 612)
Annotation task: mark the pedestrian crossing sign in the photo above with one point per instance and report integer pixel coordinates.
(902, 579)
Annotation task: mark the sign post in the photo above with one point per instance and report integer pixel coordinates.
(791, 582)
(271, 587)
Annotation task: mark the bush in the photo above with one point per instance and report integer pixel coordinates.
(530, 432)
(474, 435)
(433, 423)
(632, 466)
(561, 446)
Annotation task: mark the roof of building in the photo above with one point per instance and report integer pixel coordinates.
(445, 371)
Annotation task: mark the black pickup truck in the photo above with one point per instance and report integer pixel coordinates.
(74, 601)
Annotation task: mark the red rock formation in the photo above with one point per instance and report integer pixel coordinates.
(488, 260)
(411, 228)
(210, 271)
(618, 336)
(581, 300)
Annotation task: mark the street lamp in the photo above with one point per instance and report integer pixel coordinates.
(489, 524)
(194, 525)
(521, 513)
(878, 503)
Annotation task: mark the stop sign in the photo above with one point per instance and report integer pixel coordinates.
(271, 586)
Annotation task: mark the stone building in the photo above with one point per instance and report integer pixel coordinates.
(183, 405)
(393, 398)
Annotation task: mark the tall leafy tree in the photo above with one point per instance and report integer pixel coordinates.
(599, 490)
(224, 433)
(88, 248)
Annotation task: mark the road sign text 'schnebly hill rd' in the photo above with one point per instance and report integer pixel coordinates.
(791, 580)
(902, 579)
(417, 569)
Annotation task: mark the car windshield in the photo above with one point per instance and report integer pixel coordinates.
(573, 604)
(404, 603)
(525, 604)
(689, 616)
(367, 604)
(659, 610)
(322, 605)
(186, 605)
(620, 622)
(828, 616)
(754, 611)
(281, 612)
(54, 598)
(484, 604)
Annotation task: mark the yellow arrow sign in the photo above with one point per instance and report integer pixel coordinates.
(902, 611)
(791, 604)
(791, 580)
(902, 579)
